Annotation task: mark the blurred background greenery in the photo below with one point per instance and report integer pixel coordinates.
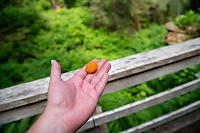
(32, 32)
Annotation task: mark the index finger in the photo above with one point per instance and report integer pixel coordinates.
(81, 73)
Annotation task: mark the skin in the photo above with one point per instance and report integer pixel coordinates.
(71, 103)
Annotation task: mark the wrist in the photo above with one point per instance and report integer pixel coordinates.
(54, 117)
(48, 122)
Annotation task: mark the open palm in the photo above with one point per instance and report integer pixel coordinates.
(75, 99)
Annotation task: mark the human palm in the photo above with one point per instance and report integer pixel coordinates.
(75, 99)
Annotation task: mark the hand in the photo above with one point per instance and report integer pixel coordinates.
(72, 102)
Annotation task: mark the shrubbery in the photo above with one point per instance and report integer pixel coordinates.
(120, 98)
(190, 18)
(65, 35)
(33, 35)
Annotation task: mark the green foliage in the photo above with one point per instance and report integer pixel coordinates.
(128, 95)
(78, 3)
(132, 15)
(175, 79)
(64, 35)
(190, 18)
(123, 16)
(148, 39)
(44, 4)
(32, 34)
(61, 3)
(20, 126)
(18, 28)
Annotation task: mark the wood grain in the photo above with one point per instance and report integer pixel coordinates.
(35, 91)
(150, 74)
(7, 116)
(145, 103)
(175, 125)
(22, 112)
(197, 75)
(165, 118)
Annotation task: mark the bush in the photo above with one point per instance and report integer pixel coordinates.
(32, 36)
(135, 93)
(64, 35)
(44, 4)
(190, 18)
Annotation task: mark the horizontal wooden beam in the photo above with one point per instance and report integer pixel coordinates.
(179, 124)
(89, 124)
(145, 103)
(31, 110)
(197, 75)
(99, 129)
(22, 112)
(151, 74)
(166, 118)
(38, 107)
(35, 91)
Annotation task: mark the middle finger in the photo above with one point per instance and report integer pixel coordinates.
(101, 63)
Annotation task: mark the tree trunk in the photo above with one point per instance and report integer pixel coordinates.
(136, 18)
(54, 5)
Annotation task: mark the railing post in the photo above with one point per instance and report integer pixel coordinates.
(197, 75)
(98, 129)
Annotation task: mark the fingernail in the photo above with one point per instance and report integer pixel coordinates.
(52, 61)
(104, 60)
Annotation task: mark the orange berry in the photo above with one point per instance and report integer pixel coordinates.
(91, 67)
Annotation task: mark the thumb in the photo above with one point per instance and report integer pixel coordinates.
(55, 71)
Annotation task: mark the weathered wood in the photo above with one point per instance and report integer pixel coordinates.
(22, 112)
(35, 91)
(158, 57)
(150, 74)
(23, 94)
(112, 86)
(31, 110)
(89, 124)
(145, 103)
(98, 129)
(178, 124)
(197, 75)
(165, 118)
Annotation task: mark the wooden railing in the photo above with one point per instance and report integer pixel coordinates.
(29, 99)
